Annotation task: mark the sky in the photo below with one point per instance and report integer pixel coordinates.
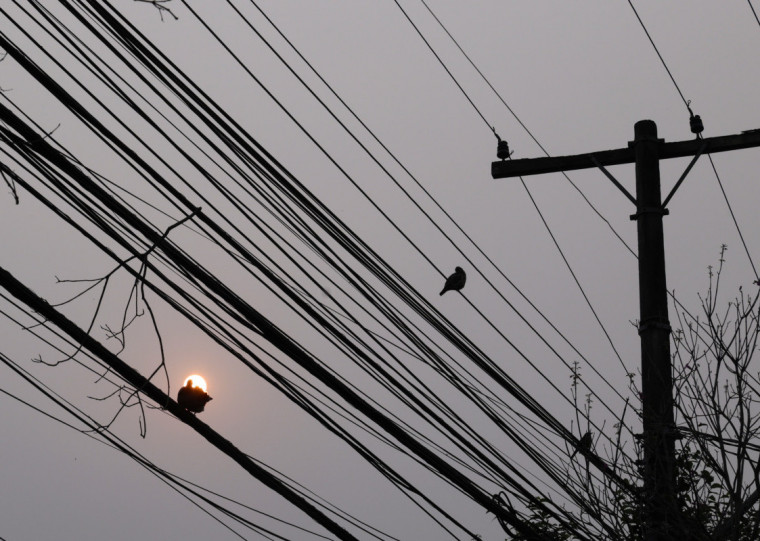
(576, 77)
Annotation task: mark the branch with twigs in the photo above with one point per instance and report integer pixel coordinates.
(136, 298)
(158, 4)
(10, 181)
(717, 391)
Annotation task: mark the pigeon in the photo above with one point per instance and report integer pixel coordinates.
(192, 398)
(584, 444)
(456, 281)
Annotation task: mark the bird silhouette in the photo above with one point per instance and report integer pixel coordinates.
(455, 282)
(584, 444)
(192, 398)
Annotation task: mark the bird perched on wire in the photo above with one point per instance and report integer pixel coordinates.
(584, 444)
(456, 281)
(192, 398)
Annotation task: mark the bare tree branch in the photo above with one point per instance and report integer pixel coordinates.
(158, 4)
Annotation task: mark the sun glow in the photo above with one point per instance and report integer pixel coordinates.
(198, 381)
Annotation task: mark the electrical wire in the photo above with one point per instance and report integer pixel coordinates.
(546, 153)
(712, 163)
(733, 216)
(477, 269)
(404, 235)
(526, 129)
(153, 270)
(538, 210)
(105, 436)
(753, 11)
(656, 50)
(626, 370)
(443, 65)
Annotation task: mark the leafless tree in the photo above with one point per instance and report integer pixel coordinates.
(717, 401)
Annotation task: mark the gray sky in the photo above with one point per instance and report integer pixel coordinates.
(578, 75)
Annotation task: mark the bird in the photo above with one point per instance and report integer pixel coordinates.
(584, 444)
(455, 282)
(192, 398)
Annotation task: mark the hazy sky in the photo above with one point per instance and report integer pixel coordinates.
(577, 74)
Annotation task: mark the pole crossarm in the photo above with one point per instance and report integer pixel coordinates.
(677, 149)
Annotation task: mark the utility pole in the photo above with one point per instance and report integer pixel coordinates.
(662, 517)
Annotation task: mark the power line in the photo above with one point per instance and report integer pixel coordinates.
(733, 216)
(519, 291)
(187, 315)
(154, 270)
(21, 292)
(527, 130)
(535, 205)
(712, 163)
(183, 271)
(753, 11)
(443, 65)
(510, 385)
(105, 436)
(656, 50)
(408, 195)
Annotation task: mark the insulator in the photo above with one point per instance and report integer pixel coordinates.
(696, 124)
(502, 150)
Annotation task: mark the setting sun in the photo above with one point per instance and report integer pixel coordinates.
(198, 381)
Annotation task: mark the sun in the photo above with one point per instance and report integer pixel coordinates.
(198, 381)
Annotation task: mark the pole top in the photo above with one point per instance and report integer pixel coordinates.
(645, 129)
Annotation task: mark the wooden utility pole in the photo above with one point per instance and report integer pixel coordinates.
(661, 510)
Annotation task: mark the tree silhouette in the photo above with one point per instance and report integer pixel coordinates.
(717, 397)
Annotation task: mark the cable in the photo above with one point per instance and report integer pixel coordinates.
(530, 134)
(656, 50)
(154, 270)
(165, 299)
(219, 231)
(753, 11)
(712, 163)
(733, 216)
(565, 260)
(443, 65)
(580, 287)
(543, 316)
(105, 436)
(535, 205)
